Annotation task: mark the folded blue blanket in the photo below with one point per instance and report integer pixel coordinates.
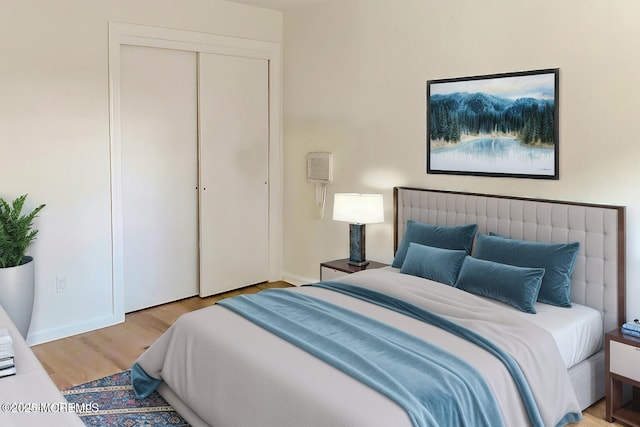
(433, 386)
(628, 331)
(632, 326)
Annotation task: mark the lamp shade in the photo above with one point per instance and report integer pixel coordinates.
(358, 208)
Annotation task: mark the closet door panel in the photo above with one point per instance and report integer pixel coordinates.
(233, 146)
(159, 175)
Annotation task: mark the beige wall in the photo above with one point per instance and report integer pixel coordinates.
(355, 73)
(54, 134)
(354, 84)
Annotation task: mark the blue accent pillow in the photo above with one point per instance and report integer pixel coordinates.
(557, 259)
(516, 286)
(456, 237)
(440, 265)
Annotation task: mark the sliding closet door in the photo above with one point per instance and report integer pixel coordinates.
(234, 198)
(159, 175)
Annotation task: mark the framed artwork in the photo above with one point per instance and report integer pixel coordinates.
(503, 125)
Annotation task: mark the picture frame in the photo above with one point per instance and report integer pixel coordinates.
(498, 125)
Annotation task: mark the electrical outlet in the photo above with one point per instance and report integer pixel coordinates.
(61, 284)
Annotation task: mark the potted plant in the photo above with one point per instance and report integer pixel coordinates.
(17, 275)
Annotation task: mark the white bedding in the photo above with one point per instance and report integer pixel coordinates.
(228, 371)
(577, 331)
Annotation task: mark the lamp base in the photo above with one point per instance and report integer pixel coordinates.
(357, 245)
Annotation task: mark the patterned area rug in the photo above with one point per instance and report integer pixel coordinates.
(109, 401)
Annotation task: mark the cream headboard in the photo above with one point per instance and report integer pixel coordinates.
(598, 280)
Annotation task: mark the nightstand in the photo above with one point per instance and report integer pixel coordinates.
(622, 364)
(331, 270)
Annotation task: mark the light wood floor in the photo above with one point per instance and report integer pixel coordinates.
(93, 355)
(96, 354)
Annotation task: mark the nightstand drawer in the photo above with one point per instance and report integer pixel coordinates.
(624, 360)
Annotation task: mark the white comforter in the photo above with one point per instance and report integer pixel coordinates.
(223, 370)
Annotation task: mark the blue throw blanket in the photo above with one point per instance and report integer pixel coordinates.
(417, 312)
(433, 386)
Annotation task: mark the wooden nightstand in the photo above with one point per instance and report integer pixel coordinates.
(331, 270)
(622, 364)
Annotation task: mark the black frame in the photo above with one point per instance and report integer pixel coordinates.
(444, 109)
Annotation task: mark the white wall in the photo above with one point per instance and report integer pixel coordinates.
(355, 78)
(354, 84)
(54, 134)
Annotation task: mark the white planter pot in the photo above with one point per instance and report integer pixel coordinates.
(17, 285)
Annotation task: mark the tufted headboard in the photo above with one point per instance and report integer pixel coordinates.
(598, 280)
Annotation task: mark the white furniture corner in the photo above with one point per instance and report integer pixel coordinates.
(30, 398)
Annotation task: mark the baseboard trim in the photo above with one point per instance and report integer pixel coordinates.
(52, 334)
(41, 337)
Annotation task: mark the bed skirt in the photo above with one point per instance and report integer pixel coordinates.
(587, 379)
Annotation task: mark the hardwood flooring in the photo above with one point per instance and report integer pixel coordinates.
(96, 354)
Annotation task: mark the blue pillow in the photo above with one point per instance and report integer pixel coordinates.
(440, 265)
(557, 259)
(516, 286)
(457, 237)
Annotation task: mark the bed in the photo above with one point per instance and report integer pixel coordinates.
(392, 346)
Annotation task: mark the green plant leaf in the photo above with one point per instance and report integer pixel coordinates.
(16, 231)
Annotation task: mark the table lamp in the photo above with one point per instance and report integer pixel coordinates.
(358, 210)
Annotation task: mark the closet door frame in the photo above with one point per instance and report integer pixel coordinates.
(142, 35)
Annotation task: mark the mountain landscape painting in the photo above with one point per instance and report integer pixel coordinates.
(495, 125)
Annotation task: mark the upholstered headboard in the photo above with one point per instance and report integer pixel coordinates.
(598, 280)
